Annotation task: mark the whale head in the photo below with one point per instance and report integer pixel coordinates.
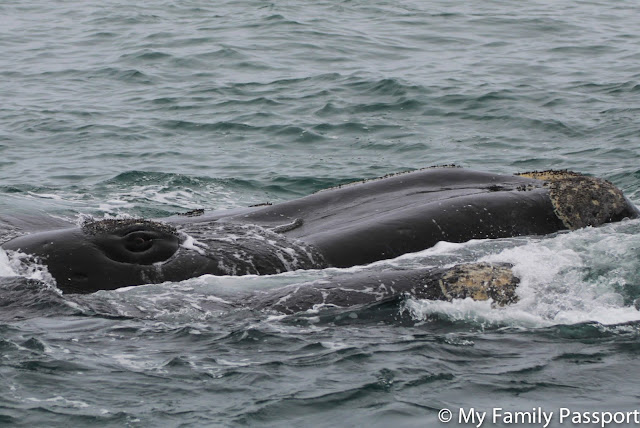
(109, 254)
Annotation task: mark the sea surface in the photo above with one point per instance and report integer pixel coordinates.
(115, 109)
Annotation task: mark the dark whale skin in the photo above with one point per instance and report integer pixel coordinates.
(346, 226)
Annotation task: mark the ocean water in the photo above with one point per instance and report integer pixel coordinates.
(150, 109)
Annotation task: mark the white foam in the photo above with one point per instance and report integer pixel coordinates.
(566, 279)
(161, 194)
(5, 265)
(59, 401)
(133, 362)
(16, 263)
(45, 196)
(482, 313)
(191, 243)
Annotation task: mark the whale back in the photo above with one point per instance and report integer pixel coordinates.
(384, 218)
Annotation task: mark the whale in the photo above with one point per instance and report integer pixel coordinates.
(349, 225)
(479, 281)
(334, 292)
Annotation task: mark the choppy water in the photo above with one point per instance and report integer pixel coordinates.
(157, 108)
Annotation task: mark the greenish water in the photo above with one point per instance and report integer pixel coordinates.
(118, 109)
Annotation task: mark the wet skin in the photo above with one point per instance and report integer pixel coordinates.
(83, 261)
(352, 225)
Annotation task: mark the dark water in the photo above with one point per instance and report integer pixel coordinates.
(113, 108)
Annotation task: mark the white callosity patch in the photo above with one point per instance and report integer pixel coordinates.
(480, 281)
(580, 201)
(589, 275)
(83, 219)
